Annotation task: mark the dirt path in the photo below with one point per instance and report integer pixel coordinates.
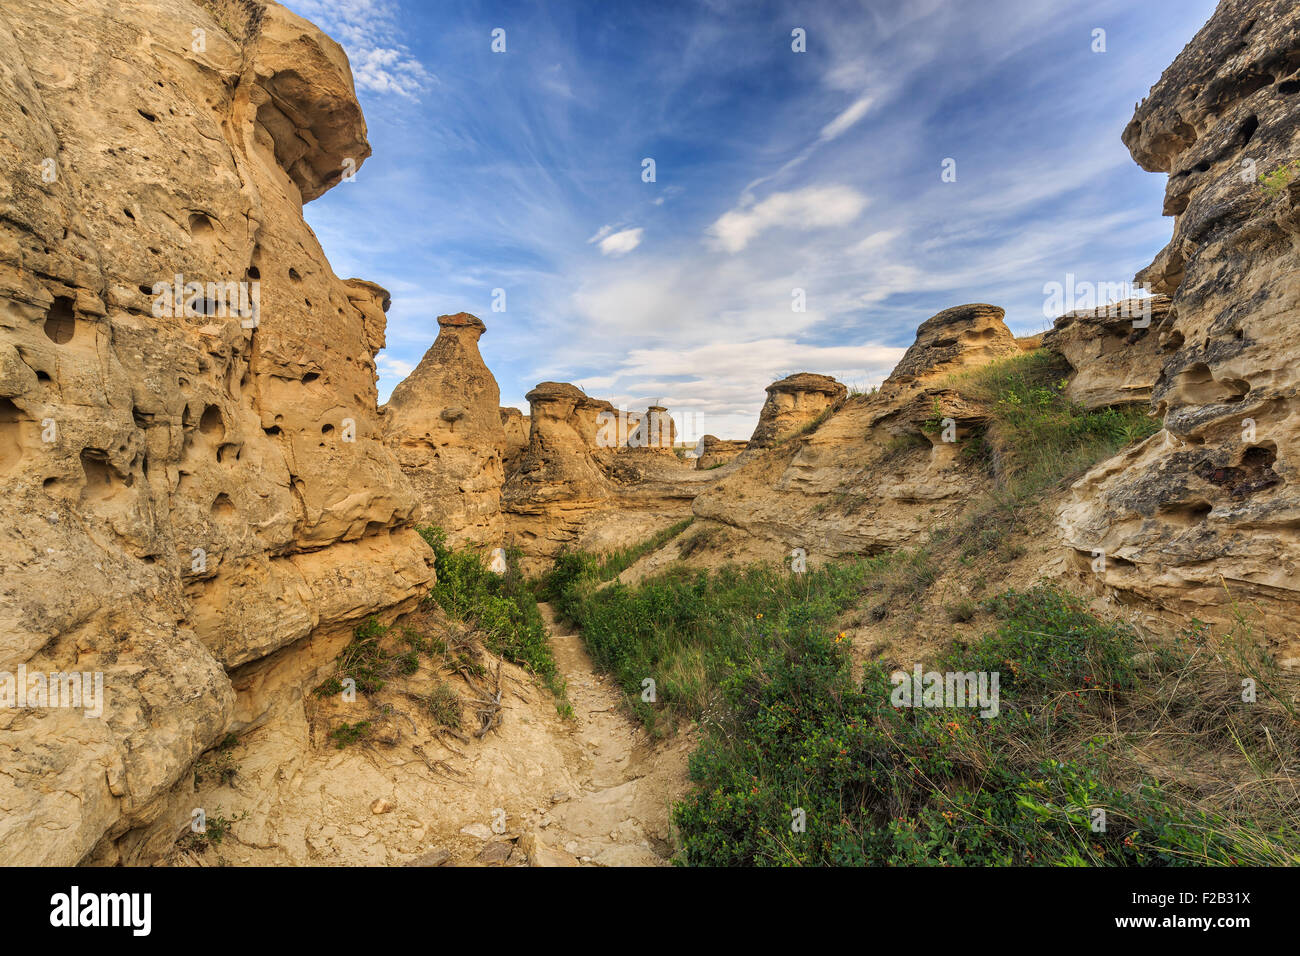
(594, 790)
(621, 815)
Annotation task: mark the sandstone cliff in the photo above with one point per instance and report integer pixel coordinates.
(444, 422)
(1204, 512)
(199, 503)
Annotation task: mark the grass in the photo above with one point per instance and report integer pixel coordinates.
(1038, 437)
(688, 630)
(1084, 707)
(444, 704)
(502, 608)
(218, 763)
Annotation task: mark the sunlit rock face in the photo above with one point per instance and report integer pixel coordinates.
(444, 422)
(1205, 512)
(964, 336)
(515, 424)
(835, 475)
(714, 452)
(199, 504)
(593, 476)
(1114, 351)
(794, 403)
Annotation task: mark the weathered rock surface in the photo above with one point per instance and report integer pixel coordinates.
(516, 425)
(197, 504)
(794, 403)
(964, 336)
(715, 451)
(1114, 351)
(1205, 512)
(594, 476)
(875, 474)
(444, 422)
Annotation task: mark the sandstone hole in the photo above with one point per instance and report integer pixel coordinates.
(226, 451)
(200, 225)
(326, 429)
(11, 439)
(211, 423)
(310, 377)
(1186, 513)
(42, 375)
(222, 506)
(293, 274)
(1288, 87)
(129, 214)
(1247, 130)
(60, 323)
(1197, 384)
(149, 116)
(100, 483)
(254, 272)
(273, 430)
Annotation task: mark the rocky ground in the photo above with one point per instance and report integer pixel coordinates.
(539, 789)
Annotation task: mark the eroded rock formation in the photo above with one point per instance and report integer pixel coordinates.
(1204, 512)
(714, 451)
(964, 336)
(199, 503)
(794, 403)
(593, 476)
(1114, 351)
(444, 421)
(876, 473)
(516, 425)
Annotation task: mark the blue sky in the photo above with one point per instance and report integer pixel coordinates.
(774, 170)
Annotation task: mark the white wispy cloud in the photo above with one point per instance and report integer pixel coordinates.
(813, 207)
(620, 243)
(848, 118)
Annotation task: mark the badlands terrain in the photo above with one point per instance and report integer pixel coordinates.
(439, 631)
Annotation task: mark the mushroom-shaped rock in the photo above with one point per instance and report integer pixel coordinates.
(792, 404)
(964, 336)
(444, 422)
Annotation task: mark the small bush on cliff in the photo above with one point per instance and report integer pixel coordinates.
(502, 607)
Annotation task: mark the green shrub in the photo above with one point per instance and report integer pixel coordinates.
(502, 607)
(886, 785)
(345, 733)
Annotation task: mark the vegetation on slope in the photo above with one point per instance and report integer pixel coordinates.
(1103, 752)
(500, 606)
(1108, 748)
